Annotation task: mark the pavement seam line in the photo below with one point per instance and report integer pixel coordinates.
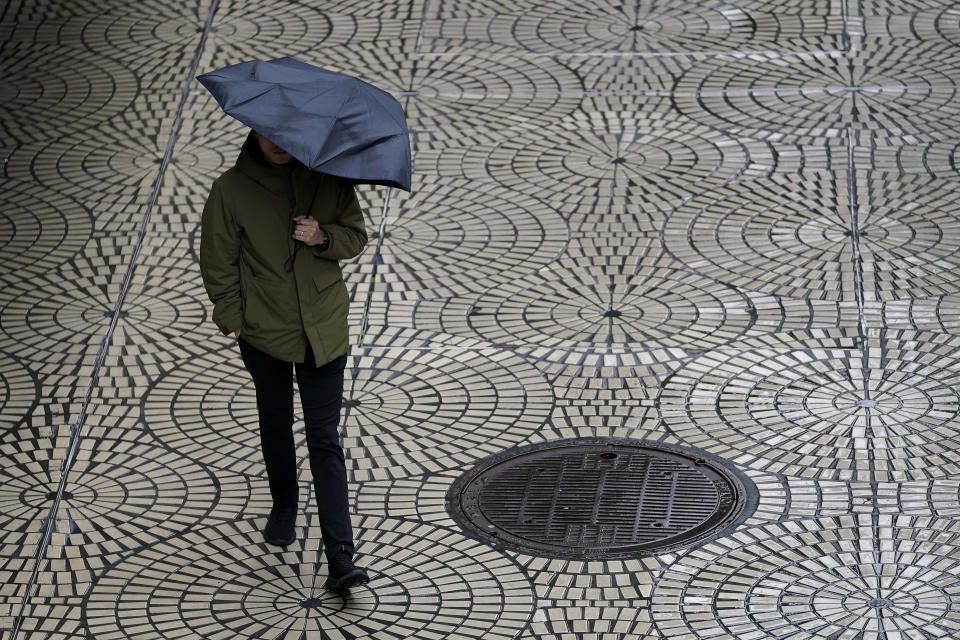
(853, 197)
(75, 430)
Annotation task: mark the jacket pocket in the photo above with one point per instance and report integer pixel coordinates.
(332, 299)
(326, 277)
(268, 306)
(326, 322)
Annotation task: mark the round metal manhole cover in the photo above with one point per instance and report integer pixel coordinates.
(598, 498)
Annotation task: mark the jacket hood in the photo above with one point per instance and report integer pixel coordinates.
(274, 178)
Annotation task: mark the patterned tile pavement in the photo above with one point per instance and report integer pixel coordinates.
(728, 225)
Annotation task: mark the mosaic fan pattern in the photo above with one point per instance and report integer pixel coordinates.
(794, 241)
(231, 568)
(652, 161)
(823, 578)
(566, 306)
(825, 95)
(40, 231)
(886, 411)
(728, 226)
(443, 241)
(403, 414)
(563, 27)
(73, 91)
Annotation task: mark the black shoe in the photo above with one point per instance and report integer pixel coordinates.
(280, 524)
(343, 573)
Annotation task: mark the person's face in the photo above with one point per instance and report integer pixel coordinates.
(273, 153)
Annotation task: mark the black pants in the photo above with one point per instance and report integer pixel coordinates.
(321, 394)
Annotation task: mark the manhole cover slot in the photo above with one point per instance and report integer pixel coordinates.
(600, 498)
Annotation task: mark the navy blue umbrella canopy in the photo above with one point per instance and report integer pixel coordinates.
(330, 122)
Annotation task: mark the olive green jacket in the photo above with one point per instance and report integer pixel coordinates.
(246, 249)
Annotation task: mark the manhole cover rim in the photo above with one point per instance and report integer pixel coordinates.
(745, 500)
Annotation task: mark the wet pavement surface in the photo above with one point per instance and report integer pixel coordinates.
(730, 227)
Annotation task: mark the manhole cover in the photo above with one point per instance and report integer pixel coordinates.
(600, 498)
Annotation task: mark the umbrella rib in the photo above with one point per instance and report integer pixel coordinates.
(353, 92)
(363, 147)
(270, 87)
(318, 96)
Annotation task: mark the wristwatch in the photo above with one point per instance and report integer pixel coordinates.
(323, 246)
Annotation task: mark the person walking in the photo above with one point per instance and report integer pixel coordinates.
(272, 235)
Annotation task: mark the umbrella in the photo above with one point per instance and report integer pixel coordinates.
(328, 121)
